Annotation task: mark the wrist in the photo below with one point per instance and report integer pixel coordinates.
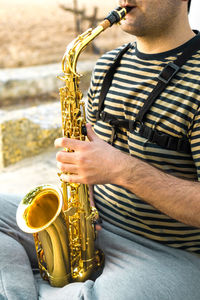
(124, 170)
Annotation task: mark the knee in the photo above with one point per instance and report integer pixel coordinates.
(10, 199)
(8, 206)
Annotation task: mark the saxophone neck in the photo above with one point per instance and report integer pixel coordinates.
(78, 45)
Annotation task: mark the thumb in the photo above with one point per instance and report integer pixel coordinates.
(90, 133)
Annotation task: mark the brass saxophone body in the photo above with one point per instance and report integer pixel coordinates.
(62, 219)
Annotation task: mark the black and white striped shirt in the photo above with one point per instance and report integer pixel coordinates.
(175, 112)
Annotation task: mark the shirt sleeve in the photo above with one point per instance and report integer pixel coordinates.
(195, 142)
(90, 112)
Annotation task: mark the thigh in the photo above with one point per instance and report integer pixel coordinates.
(8, 225)
(140, 269)
(16, 277)
(135, 269)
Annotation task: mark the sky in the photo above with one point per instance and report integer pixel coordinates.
(194, 15)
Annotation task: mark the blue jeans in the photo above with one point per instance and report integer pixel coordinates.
(135, 268)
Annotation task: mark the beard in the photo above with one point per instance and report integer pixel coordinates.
(152, 21)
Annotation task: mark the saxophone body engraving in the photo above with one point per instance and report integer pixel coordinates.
(62, 219)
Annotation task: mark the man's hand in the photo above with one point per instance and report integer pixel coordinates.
(96, 162)
(91, 162)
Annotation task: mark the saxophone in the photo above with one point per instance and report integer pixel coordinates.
(61, 219)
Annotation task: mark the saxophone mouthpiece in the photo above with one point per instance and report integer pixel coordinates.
(117, 14)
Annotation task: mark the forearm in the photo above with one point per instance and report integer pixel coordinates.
(175, 197)
(97, 162)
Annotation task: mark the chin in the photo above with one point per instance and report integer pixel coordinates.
(126, 27)
(129, 29)
(133, 29)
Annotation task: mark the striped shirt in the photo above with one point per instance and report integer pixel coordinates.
(175, 112)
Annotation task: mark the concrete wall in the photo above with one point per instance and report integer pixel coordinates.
(32, 81)
(31, 130)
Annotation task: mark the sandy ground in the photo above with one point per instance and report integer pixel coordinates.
(38, 31)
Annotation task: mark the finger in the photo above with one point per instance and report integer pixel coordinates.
(58, 143)
(98, 224)
(71, 144)
(67, 168)
(98, 227)
(66, 157)
(71, 178)
(90, 133)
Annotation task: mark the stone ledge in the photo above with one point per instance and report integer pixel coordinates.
(28, 132)
(31, 81)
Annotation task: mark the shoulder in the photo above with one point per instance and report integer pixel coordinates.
(194, 61)
(106, 60)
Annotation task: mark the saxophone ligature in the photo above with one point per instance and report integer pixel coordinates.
(61, 219)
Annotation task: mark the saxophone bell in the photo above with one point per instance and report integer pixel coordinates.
(40, 213)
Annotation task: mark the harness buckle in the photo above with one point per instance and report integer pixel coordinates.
(168, 72)
(131, 125)
(98, 115)
(113, 136)
(183, 146)
(103, 116)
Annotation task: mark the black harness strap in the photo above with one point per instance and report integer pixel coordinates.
(165, 140)
(170, 70)
(108, 79)
(166, 76)
(152, 135)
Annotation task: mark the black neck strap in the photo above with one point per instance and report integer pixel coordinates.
(166, 75)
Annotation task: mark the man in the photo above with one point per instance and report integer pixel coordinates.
(147, 195)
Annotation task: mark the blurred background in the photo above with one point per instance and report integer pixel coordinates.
(34, 35)
(37, 32)
(194, 15)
